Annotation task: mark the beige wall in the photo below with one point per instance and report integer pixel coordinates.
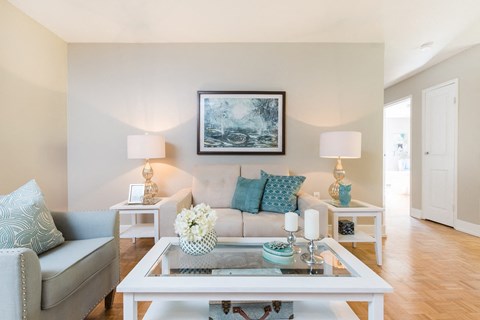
(122, 89)
(466, 68)
(33, 86)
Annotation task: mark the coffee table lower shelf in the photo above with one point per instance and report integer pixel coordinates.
(198, 310)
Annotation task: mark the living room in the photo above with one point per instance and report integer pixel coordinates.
(68, 107)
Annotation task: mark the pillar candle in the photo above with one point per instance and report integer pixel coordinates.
(312, 228)
(291, 221)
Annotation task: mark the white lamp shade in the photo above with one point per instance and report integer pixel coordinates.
(145, 146)
(344, 144)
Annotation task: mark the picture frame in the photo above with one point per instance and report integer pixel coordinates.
(241, 122)
(136, 193)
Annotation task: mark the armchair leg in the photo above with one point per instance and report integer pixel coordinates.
(109, 299)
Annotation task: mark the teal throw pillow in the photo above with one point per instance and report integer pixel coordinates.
(248, 194)
(25, 221)
(280, 194)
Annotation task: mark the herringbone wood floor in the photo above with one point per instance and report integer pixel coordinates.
(435, 272)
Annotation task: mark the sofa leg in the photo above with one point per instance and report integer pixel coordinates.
(109, 299)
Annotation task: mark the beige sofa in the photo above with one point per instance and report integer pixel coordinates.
(215, 185)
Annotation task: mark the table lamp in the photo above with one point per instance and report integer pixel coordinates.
(147, 147)
(340, 144)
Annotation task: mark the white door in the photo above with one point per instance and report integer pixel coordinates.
(439, 153)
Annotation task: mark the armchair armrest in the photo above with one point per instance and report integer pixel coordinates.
(21, 280)
(307, 201)
(88, 224)
(170, 208)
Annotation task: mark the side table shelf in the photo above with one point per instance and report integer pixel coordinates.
(140, 230)
(358, 209)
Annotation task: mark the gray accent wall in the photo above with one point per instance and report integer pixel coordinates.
(466, 68)
(120, 89)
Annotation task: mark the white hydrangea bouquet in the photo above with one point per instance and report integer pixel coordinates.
(194, 223)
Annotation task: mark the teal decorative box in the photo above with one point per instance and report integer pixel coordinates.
(254, 310)
(278, 252)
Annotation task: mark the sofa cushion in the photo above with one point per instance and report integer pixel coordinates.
(229, 222)
(248, 194)
(25, 221)
(66, 267)
(252, 171)
(280, 194)
(265, 224)
(214, 184)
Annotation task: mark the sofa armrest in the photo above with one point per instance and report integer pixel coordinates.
(21, 279)
(87, 224)
(170, 208)
(307, 201)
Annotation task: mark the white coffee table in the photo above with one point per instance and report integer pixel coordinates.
(168, 277)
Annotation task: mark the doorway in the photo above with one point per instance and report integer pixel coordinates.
(396, 163)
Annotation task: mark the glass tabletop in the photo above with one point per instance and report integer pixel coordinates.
(245, 259)
(352, 204)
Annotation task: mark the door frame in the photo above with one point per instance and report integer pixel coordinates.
(391, 103)
(455, 144)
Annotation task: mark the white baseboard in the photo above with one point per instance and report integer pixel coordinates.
(467, 227)
(416, 213)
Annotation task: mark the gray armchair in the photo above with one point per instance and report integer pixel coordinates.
(68, 281)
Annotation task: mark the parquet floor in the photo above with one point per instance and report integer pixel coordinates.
(434, 269)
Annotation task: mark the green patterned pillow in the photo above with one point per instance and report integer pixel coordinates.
(280, 194)
(248, 194)
(25, 221)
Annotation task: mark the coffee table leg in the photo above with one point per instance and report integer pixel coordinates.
(129, 307)
(375, 307)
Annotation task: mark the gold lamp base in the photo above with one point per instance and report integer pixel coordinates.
(338, 174)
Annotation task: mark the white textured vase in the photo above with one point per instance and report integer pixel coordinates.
(199, 247)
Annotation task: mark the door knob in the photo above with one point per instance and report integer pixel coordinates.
(427, 153)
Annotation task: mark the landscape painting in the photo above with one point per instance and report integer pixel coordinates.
(241, 122)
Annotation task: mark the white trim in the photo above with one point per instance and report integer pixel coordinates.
(455, 145)
(416, 213)
(199, 310)
(389, 104)
(467, 227)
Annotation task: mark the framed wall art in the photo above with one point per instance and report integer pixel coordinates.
(241, 122)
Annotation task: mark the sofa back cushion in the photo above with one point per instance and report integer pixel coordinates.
(215, 184)
(252, 171)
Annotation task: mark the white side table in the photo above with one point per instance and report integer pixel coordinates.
(140, 230)
(354, 210)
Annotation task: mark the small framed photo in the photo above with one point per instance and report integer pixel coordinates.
(241, 122)
(135, 193)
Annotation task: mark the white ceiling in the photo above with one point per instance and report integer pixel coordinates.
(402, 25)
